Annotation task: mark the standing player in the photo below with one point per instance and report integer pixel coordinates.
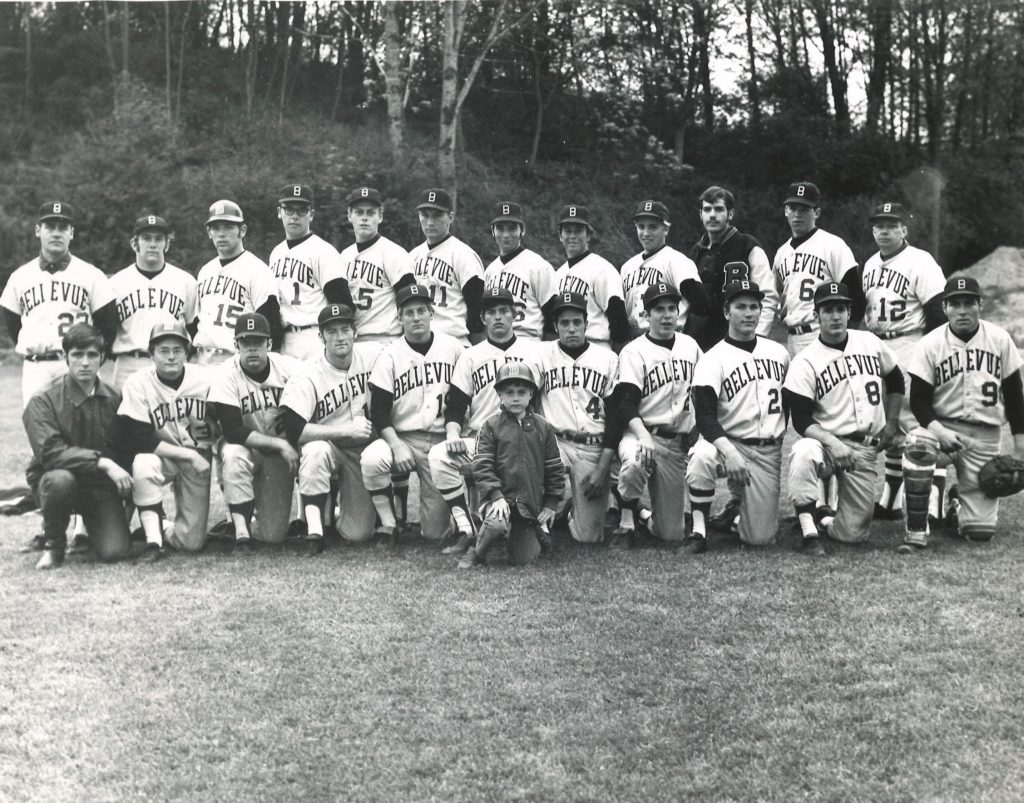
(258, 462)
(234, 282)
(812, 256)
(472, 391)
(163, 416)
(844, 392)
(576, 380)
(524, 273)
(724, 255)
(593, 278)
(407, 388)
(903, 288)
(146, 293)
(659, 263)
(44, 297)
(965, 383)
(655, 372)
(308, 271)
(324, 407)
(375, 269)
(449, 269)
(741, 416)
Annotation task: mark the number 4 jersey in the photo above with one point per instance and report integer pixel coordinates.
(845, 384)
(967, 376)
(243, 284)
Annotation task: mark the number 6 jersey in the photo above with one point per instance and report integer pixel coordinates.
(967, 377)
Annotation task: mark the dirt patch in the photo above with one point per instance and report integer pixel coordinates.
(1001, 276)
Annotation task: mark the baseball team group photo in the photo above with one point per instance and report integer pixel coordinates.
(346, 461)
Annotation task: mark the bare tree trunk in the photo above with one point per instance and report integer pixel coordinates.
(393, 80)
(836, 78)
(253, 29)
(965, 79)
(27, 21)
(881, 46)
(702, 36)
(454, 22)
(181, 61)
(125, 21)
(753, 93)
(167, 56)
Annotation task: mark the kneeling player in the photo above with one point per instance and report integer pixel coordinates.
(259, 463)
(324, 407)
(517, 470)
(964, 384)
(655, 372)
(845, 392)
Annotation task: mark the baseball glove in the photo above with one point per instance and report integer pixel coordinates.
(1003, 475)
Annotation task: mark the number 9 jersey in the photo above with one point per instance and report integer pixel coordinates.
(897, 289)
(967, 377)
(243, 284)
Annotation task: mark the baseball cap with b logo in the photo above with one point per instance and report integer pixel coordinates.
(296, 194)
(56, 210)
(508, 212)
(656, 292)
(804, 192)
(831, 291)
(412, 292)
(151, 223)
(225, 210)
(742, 288)
(335, 312)
(654, 209)
(565, 300)
(252, 324)
(514, 371)
(890, 211)
(574, 213)
(165, 329)
(961, 286)
(363, 195)
(436, 199)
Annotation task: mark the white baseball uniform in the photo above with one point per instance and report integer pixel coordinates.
(248, 474)
(319, 393)
(597, 280)
(531, 281)
(664, 266)
(848, 391)
(444, 269)
(748, 385)
(572, 399)
(225, 291)
(179, 417)
(302, 270)
(663, 376)
(372, 270)
(48, 304)
(800, 265)
(967, 379)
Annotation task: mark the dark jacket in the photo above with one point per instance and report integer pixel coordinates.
(519, 460)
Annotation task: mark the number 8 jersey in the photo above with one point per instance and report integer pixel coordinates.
(897, 289)
(846, 385)
(226, 290)
(967, 377)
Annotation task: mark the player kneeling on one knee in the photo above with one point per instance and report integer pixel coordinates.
(75, 411)
(964, 384)
(738, 405)
(517, 469)
(845, 393)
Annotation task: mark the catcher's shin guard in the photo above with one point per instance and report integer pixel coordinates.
(917, 489)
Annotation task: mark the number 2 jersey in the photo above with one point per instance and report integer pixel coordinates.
(846, 385)
(177, 414)
(967, 376)
(226, 290)
(373, 270)
(573, 390)
(897, 289)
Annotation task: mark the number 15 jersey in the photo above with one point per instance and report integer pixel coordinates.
(226, 291)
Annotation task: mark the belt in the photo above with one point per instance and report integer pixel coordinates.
(581, 437)
(47, 357)
(665, 432)
(803, 329)
(139, 353)
(293, 328)
(759, 441)
(867, 440)
(891, 335)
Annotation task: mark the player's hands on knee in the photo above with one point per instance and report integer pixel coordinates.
(360, 429)
(289, 455)
(402, 460)
(889, 436)
(499, 510)
(645, 452)
(199, 464)
(736, 469)
(843, 457)
(593, 483)
(455, 445)
(546, 517)
(950, 440)
(122, 479)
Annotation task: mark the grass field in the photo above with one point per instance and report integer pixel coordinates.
(593, 675)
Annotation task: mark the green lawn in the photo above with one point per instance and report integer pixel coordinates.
(595, 674)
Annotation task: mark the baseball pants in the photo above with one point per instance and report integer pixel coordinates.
(586, 521)
(445, 468)
(37, 375)
(302, 343)
(978, 513)
(124, 366)
(666, 483)
(150, 473)
(375, 464)
(903, 348)
(318, 462)
(61, 493)
(856, 504)
(759, 501)
(797, 343)
(250, 475)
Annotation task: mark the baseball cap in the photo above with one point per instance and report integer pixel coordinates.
(363, 195)
(569, 301)
(252, 324)
(412, 292)
(436, 199)
(831, 291)
(296, 194)
(889, 211)
(335, 312)
(658, 291)
(804, 192)
(154, 222)
(655, 209)
(169, 329)
(494, 296)
(56, 210)
(573, 213)
(225, 210)
(514, 372)
(508, 212)
(961, 286)
(742, 288)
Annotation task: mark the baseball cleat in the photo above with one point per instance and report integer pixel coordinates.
(50, 559)
(296, 529)
(726, 518)
(222, 531)
(812, 547)
(469, 560)
(953, 510)
(695, 545)
(465, 540)
(151, 554)
(244, 545)
(888, 513)
(544, 538)
(314, 547)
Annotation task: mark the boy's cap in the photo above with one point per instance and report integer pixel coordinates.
(169, 329)
(569, 301)
(573, 213)
(508, 212)
(225, 210)
(151, 223)
(436, 198)
(495, 296)
(890, 211)
(56, 210)
(296, 194)
(515, 372)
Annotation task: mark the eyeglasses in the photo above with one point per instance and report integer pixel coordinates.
(297, 211)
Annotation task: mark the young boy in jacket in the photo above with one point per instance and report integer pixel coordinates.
(517, 471)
